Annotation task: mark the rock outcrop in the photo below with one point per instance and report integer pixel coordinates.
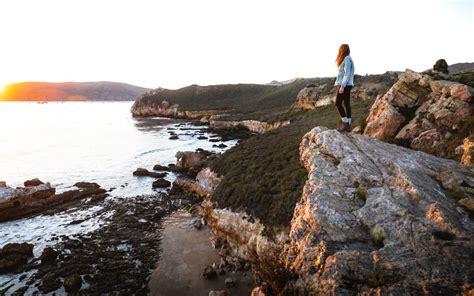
(255, 126)
(312, 96)
(23, 202)
(423, 113)
(205, 183)
(378, 218)
(13, 256)
(143, 108)
(190, 162)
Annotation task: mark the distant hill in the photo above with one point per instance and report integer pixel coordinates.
(460, 67)
(71, 91)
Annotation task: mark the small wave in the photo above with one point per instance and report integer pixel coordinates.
(150, 151)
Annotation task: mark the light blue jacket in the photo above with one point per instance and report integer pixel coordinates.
(346, 72)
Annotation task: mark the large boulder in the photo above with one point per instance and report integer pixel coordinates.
(312, 97)
(13, 256)
(27, 201)
(425, 114)
(191, 163)
(145, 172)
(33, 182)
(376, 218)
(72, 283)
(145, 107)
(16, 248)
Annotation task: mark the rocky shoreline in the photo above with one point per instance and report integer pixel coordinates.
(119, 255)
(116, 258)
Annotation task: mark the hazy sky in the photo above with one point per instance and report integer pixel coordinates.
(180, 42)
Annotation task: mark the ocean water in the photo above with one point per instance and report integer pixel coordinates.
(64, 143)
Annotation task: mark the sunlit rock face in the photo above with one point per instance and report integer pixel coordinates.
(379, 218)
(255, 126)
(142, 108)
(425, 114)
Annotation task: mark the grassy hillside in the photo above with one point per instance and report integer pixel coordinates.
(263, 174)
(252, 101)
(71, 91)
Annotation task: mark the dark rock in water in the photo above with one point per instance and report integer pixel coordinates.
(21, 291)
(217, 293)
(145, 172)
(49, 285)
(12, 262)
(229, 282)
(98, 197)
(173, 137)
(33, 182)
(222, 145)
(72, 283)
(161, 183)
(43, 193)
(214, 140)
(88, 185)
(49, 255)
(202, 138)
(159, 167)
(42, 198)
(78, 221)
(209, 272)
(15, 248)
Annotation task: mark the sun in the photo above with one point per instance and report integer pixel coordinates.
(3, 87)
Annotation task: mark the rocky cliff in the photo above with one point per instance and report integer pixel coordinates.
(434, 116)
(252, 125)
(373, 218)
(165, 109)
(379, 218)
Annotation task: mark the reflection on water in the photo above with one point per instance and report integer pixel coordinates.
(64, 143)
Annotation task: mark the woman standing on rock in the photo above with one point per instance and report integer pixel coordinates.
(344, 81)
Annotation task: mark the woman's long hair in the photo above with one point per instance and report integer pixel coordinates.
(344, 51)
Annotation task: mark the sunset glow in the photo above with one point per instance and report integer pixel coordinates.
(177, 43)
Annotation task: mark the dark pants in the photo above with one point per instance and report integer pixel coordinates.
(344, 111)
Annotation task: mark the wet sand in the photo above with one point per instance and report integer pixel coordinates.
(185, 253)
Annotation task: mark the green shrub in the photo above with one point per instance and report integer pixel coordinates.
(361, 193)
(441, 66)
